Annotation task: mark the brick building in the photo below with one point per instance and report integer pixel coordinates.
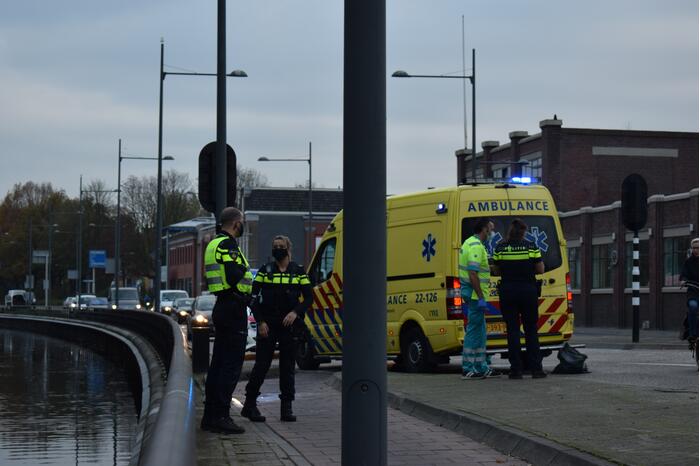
(584, 170)
(269, 212)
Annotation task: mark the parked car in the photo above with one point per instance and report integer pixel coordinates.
(97, 303)
(201, 314)
(19, 298)
(167, 297)
(182, 307)
(128, 298)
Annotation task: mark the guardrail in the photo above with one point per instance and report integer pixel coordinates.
(168, 434)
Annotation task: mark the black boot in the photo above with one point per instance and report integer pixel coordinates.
(251, 411)
(225, 425)
(286, 414)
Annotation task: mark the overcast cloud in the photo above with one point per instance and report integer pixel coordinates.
(75, 76)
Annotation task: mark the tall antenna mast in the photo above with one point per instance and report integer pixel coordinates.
(464, 87)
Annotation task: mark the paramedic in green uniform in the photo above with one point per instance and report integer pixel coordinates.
(474, 277)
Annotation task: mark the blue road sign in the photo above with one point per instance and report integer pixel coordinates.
(98, 259)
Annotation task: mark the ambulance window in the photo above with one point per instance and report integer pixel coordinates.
(322, 266)
(541, 231)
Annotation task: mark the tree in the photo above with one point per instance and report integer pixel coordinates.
(249, 178)
(179, 201)
(97, 192)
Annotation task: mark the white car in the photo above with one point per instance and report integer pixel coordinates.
(72, 301)
(252, 331)
(167, 298)
(19, 298)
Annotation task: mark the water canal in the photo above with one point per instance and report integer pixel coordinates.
(61, 404)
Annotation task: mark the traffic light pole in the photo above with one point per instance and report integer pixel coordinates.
(364, 415)
(220, 158)
(635, 287)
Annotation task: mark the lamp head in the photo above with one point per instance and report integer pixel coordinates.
(168, 157)
(400, 74)
(263, 159)
(238, 74)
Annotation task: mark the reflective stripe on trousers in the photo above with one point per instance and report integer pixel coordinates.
(474, 357)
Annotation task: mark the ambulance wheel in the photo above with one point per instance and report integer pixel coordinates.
(305, 355)
(416, 353)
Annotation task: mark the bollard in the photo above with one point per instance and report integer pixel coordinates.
(200, 349)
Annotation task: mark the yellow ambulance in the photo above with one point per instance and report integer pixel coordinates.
(425, 230)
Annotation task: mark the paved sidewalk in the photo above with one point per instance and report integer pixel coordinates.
(315, 438)
(619, 338)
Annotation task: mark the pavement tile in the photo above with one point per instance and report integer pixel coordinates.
(315, 439)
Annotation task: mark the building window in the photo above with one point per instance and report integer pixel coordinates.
(503, 172)
(643, 264)
(600, 259)
(675, 254)
(575, 267)
(534, 168)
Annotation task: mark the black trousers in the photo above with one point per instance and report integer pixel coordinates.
(519, 303)
(264, 351)
(224, 370)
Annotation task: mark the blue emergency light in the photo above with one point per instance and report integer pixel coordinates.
(521, 179)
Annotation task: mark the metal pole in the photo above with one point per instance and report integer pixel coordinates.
(310, 237)
(473, 80)
(220, 159)
(117, 238)
(364, 416)
(29, 283)
(635, 287)
(49, 259)
(167, 256)
(159, 214)
(80, 242)
(464, 90)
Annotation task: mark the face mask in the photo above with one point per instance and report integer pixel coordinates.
(279, 253)
(241, 228)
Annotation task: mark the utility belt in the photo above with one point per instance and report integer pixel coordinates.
(234, 295)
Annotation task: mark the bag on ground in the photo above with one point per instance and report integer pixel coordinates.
(571, 361)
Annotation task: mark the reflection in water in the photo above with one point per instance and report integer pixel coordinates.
(61, 404)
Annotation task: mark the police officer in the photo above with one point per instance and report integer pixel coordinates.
(517, 261)
(228, 277)
(474, 278)
(280, 314)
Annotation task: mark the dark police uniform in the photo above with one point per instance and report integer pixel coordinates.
(228, 277)
(276, 294)
(518, 294)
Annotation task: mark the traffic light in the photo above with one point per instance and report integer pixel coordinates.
(634, 202)
(207, 181)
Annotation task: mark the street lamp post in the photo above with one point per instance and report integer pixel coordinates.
(49, 259)
(472, 79)
(80, 233)
(220, 129)
(307, 247)
(117, 248)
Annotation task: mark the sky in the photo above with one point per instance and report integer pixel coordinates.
(76, 76)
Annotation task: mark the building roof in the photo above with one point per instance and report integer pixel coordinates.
(293, 200)
(193, 224)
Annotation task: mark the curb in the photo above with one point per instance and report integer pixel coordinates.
(506, 440)
(638, 346)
